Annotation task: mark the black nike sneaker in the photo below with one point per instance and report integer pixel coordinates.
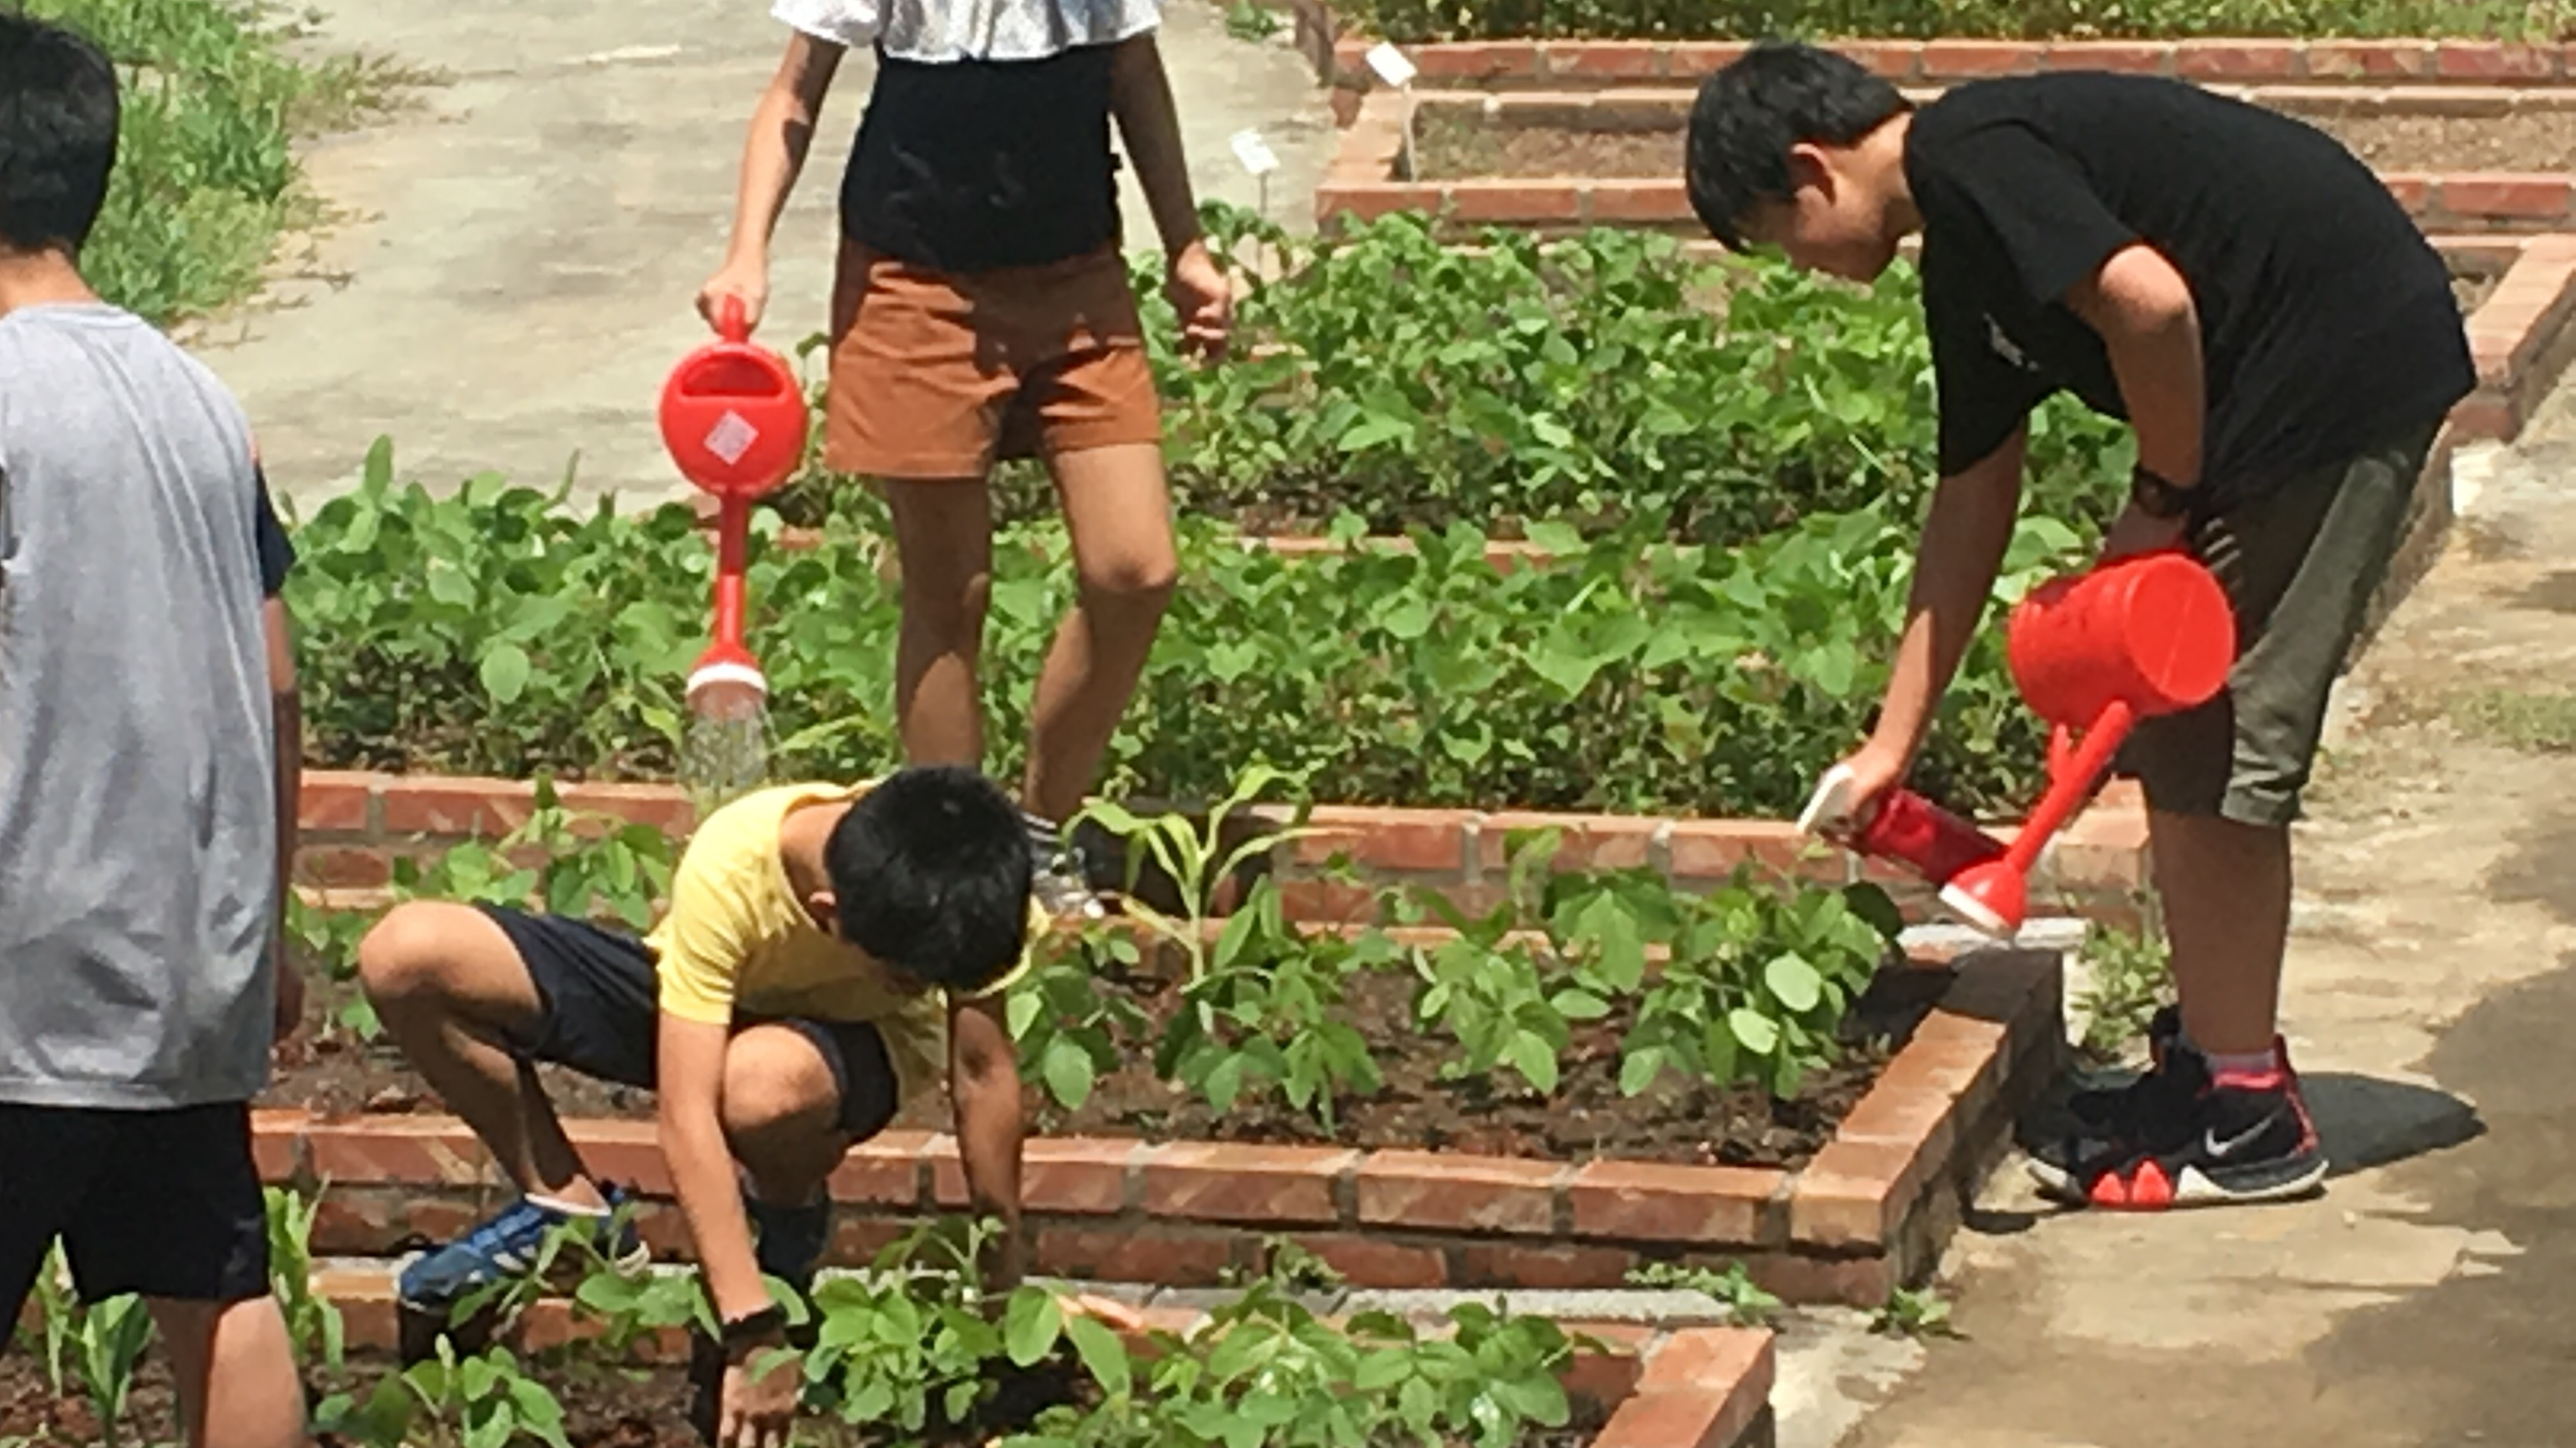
(2106, 1106)
(2246, 1140)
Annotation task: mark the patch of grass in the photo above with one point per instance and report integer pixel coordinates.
(2130, 982)
(1408, 21)
(206, 177)
(2532, 723)
(1732, 1289)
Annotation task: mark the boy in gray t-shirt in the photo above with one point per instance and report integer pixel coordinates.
(148, 751)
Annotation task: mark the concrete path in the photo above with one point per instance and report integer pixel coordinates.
(2432, 1004)
(521, 249)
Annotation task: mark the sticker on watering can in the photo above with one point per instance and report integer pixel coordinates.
(732, 437)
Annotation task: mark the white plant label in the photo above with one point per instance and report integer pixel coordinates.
(1391, 65)
(731, 437)
(1254, 153)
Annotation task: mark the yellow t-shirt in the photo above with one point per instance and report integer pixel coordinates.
(736, 939)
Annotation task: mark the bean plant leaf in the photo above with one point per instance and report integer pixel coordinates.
(1756, 1032)
(505, 672)
(1069, 1073)
(1103, 1355)
(1794, 981)
(1031, 1325)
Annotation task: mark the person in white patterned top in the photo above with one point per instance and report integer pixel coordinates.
(981, 311)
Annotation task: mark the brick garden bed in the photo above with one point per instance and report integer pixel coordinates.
(355, 824)
(1871, 1210)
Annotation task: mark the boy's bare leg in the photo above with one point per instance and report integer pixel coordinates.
(1119, 514)
(943, 533)
(451, 991)
(2226, 889)
(235, 1371)
(781, 1113)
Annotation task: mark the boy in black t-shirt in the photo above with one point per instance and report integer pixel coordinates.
(2285, 343)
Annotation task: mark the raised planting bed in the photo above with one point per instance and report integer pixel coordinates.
(597, 1370)
(1850, 1214)
(2461, 161)
(1571, 64)
(358, 826)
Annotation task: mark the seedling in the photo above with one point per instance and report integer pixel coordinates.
(1732, 1289)
(1916, 1312)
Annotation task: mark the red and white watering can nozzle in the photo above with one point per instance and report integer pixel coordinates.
(2092, 653)
(734, 418)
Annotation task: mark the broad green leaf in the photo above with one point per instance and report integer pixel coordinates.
(1104, 1356)
(1757, 1032)
(505, 672)
(1031, 1324)
(1794, 981)
(1068, 1072)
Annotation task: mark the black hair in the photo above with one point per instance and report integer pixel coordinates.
(58, 111)
(930, 871)
(1749, 115)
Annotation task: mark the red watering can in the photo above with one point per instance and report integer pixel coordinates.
(735, 420)
(2092, 654)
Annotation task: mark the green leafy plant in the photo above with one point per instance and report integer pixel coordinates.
(2131, 981)
(1067, 1030)
(1914, 1312)
(107, 1343)
(1757, 983)
(58, 1313)
(1264, 1012)
(1733, 1289)
(312, 1321)
(451, 1401)
(1249, 20)
(1487, 986)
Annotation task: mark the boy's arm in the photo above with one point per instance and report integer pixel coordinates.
(689, 1089)
(1141, 95)
(773, 155)
(286, 711)
(1969, 526)
(2142, 308)
(984, 1085)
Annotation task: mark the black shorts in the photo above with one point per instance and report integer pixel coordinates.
(597, 1015)
(163, 1203)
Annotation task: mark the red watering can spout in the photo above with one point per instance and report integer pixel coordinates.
(2092, 653)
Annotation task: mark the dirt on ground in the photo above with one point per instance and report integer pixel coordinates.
(1451, 146)
(330, 1071)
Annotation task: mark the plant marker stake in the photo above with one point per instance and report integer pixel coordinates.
(1257, 157)
(1396, 68)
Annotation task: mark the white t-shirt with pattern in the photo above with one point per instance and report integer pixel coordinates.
(938, 32)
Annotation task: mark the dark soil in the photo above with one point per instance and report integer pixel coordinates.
(1415, 1108)
(1449, 146)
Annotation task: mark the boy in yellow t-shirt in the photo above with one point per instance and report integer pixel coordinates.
(825, 947)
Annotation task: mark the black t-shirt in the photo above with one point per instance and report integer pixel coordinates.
(973, 165)
(2327, 320)
(276, 550)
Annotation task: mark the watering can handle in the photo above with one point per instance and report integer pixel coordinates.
(731, 322)
(2061, 750)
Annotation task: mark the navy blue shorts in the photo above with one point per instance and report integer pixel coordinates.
(597, 1015)
(164, 1203)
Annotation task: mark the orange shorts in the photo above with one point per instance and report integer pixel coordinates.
(939, 374)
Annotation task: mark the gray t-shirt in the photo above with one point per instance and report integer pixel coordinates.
(137, 795)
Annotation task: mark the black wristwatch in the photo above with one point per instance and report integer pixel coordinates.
(2160, 497)
(752, 1331)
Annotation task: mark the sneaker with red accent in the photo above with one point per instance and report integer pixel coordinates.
(2104, 1107)
(2235, 1140)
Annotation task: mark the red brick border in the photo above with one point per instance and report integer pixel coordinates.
(355, 825)
(1871, 1211)
(1563, 64)
(1705, 1386)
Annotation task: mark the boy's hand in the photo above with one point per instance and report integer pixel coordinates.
(2134, 532)
(746, 281)
(1875, 769)
(758, 1407)
(1204, 299)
